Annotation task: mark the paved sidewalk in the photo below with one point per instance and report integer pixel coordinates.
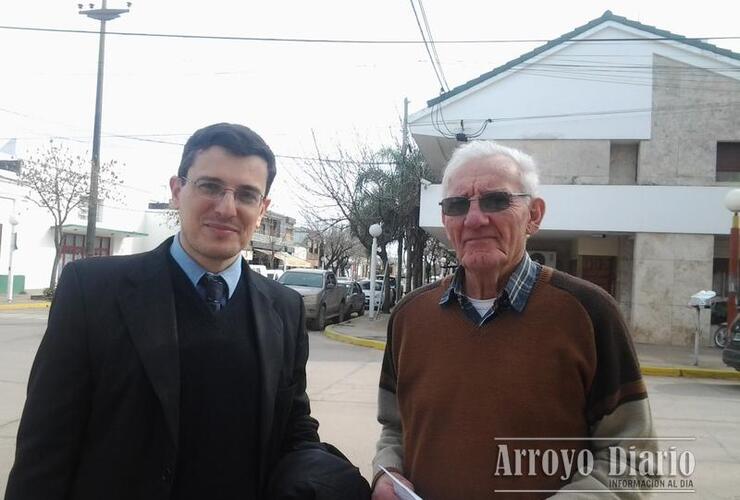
(667, 361)
(23, 301)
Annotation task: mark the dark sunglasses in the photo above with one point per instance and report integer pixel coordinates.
(494, 201)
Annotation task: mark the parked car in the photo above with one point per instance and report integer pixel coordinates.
(274, 273)
(259, 269)
(322, 297)
(365, 284)
(355, 298)
(731, 352)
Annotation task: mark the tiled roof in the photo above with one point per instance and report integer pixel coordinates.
(607, 16)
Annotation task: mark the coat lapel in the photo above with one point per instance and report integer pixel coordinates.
(268, 334)
(148, 307)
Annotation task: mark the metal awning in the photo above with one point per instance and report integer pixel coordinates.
(101, 231)
(292, 260)
(286, 258)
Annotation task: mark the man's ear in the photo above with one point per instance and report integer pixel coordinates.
(263, 210)
(536, 214)
(175, 188)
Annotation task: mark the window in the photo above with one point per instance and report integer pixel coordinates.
(728, 161)
(274, 227)
(73, 248)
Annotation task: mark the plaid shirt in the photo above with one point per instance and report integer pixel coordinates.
(515, 294)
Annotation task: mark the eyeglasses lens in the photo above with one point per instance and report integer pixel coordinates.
(455, 206)
(494, 202)
(216, 190)
(489, 202)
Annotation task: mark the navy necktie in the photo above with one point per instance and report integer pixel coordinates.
(215, 291)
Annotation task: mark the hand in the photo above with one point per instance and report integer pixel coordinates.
(384, 487)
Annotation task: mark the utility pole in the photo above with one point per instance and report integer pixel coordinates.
(411, 240)
(103, 15)
(405, 138)
(405, 235)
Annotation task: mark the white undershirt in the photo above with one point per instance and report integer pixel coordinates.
(482, 305)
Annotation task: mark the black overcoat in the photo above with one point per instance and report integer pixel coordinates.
(102, 411)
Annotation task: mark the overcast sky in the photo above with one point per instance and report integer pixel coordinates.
(162, 89)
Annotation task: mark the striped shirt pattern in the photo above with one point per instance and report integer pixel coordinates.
(515, 294)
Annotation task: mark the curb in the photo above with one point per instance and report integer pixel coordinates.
(26, 305)
(693, 372)
(349, 339)
(656, 371)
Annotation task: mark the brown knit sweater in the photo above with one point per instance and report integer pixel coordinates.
(555, 370)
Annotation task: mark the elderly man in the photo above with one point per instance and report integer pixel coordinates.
(508, 376)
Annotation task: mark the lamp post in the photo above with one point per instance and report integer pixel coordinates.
(13, 223)
(375, 230)
(732, 203)
(102, 14)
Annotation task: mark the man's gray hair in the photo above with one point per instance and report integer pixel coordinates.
(476, 150)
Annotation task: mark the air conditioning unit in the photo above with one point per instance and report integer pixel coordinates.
(545, 257)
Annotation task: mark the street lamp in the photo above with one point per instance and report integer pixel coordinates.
(13, 223)
(732, 203)
(375, 230)
(103, 14)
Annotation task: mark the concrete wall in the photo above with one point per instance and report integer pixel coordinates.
(667, 270)
(568, 162)
(693, 109)
(623, 163)
(625, 273)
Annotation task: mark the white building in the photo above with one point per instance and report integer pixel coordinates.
(637, 135)
(123, 228)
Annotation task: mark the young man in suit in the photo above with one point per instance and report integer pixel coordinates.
(178, 373)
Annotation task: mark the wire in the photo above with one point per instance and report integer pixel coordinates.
(426, 46)
(361, 41)
(431, 43)
(666, 109)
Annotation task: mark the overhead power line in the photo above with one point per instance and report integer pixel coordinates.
(434, 62)
(355, 41)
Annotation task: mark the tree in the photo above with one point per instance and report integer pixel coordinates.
(59, 181)
(336, 243)
(368, 186)
(434, 253)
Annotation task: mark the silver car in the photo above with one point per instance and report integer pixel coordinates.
(322, 297)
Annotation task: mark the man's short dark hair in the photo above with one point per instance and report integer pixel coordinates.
(234, 138)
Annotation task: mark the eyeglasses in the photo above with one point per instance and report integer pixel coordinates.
(214, 190)
(494, 201)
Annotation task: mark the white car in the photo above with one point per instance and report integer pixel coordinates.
(365, 284)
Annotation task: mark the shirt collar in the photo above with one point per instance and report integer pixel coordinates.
(516, 292)
(195, 271)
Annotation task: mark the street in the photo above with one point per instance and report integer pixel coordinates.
(342, 385)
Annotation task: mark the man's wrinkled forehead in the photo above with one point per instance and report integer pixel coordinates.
(491, 173)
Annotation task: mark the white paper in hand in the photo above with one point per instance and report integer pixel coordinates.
(401, 490)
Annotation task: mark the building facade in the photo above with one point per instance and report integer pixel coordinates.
(637, 137)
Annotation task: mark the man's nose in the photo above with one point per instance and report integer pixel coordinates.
(227, 204)
(474, 217)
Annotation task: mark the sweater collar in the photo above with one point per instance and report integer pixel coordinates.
(515, 294)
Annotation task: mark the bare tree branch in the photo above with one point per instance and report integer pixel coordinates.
(59, 182)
